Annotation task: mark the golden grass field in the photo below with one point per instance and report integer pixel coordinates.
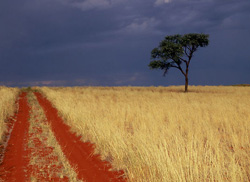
(162, 133)
(8, 97)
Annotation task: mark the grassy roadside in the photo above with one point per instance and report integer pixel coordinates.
(8, 97)
(163, 134)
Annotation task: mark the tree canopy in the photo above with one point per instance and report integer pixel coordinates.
(175, 50)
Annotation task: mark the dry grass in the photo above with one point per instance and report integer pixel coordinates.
(8, 97)
(163, 134)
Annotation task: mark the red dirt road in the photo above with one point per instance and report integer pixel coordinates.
(79, 154)
(26, 144)
(15, 159)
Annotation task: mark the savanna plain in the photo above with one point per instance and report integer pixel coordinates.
(157, 133)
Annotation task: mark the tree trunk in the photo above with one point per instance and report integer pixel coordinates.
(186, 77)
(186, 83)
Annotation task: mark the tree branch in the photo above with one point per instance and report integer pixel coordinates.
(175, 66)
(186, 52)
(179, 67)
(182, 71)
(183, 60)
(191, 55)
(189, 48)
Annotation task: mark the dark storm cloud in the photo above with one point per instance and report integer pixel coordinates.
(108, 42)
(186, 16)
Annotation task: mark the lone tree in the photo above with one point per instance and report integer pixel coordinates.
(176, 50)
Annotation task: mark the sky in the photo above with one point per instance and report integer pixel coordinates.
(109, 42)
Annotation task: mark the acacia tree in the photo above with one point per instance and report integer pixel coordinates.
(176, 50)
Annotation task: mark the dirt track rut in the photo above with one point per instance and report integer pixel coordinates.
(30, 157)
